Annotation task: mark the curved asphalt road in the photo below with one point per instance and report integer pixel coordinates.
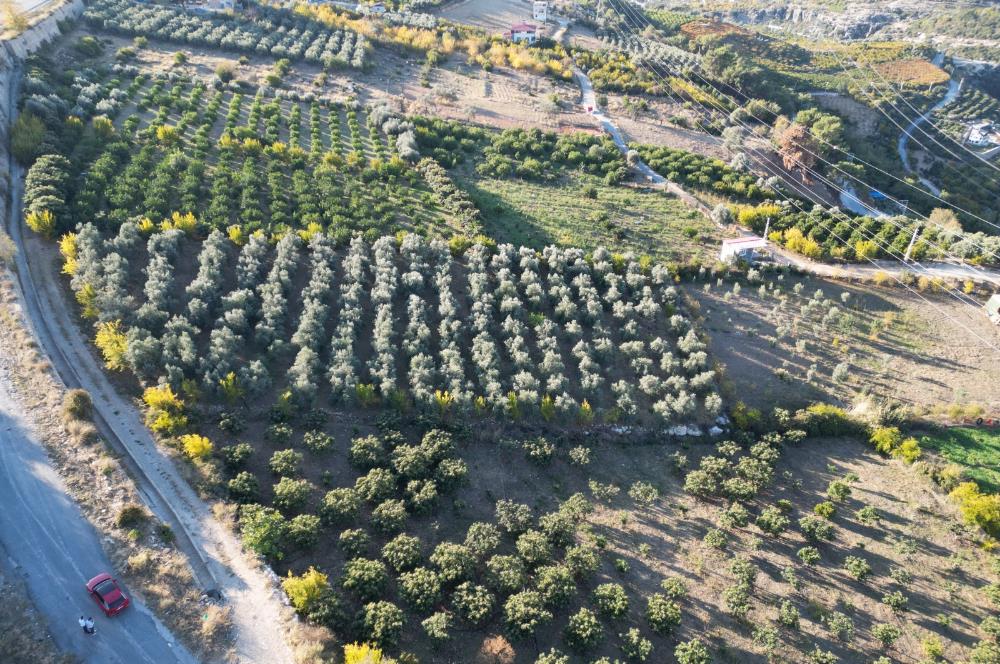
(49, 543)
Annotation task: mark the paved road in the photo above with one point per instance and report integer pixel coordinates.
(52, 546)
(954, 88)
(650, 176)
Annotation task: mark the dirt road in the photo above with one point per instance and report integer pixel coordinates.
(49, 543)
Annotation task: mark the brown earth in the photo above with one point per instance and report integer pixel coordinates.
(896, 345)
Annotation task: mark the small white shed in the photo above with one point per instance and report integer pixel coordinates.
(993, 308)
(741, 248)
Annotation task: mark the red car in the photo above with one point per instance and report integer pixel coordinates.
(107, 594)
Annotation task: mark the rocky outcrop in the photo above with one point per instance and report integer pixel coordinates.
(857, 22)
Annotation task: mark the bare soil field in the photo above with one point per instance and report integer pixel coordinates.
(492, 15)
(893, 344)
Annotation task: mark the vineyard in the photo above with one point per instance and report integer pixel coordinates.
(551, 334)
(912, 71)
(273, 32)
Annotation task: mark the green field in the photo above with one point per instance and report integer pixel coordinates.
(584, 212)
(976, 450)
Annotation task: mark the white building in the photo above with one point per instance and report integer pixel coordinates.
(540, 10)
(741, 249)
(981, 134)
(522, 32)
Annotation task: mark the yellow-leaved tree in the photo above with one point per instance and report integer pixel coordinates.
(42, 222)
(111, 341)
(304, 591)
(196, 446)
(362, 653)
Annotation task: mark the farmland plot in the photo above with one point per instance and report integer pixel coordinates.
(549, 334)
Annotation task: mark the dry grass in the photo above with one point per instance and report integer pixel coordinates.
(913, 71)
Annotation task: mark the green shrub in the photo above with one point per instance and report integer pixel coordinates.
(534, 548)
(506, 573)
(412, 461)
(826, 420)
(436, 627)
(234, 456)
(291, 494)
(389, 516)
(539, 450)
(809, 555)
(513, 517)
(734, 516)
(244, 488)
(553, 656)
(715, 538)
(524, 612)
(857, 567)
(402, 552)
(611, 600)
(583, 632)
(340, 506)
(377, 485)
(582, 561)
(674, 587)
(454, 561)
(285, 462)
(662, 614)
(788, 615)
(867, 515)
(692, 652)
(772, 521)
(816, 528)
(896, 601)
(635, 646)
(555, 583)
(383, 622)
(364, 577)
(318, 442)
(840, 625)
(420, 588)
(825, 509)
(838, 491)
(303, 531)
(887, 634)
(367, 453)
(474, 603)
(422, 495)
(482, 538)
(263, 530)
(354, 542)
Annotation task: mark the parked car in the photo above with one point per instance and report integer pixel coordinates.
(108, 594)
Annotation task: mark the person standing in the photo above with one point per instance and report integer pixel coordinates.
(89, 625)
(83, 625)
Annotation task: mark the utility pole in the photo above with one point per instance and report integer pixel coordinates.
(913, 241)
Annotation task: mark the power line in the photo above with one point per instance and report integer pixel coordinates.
(767, 167)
